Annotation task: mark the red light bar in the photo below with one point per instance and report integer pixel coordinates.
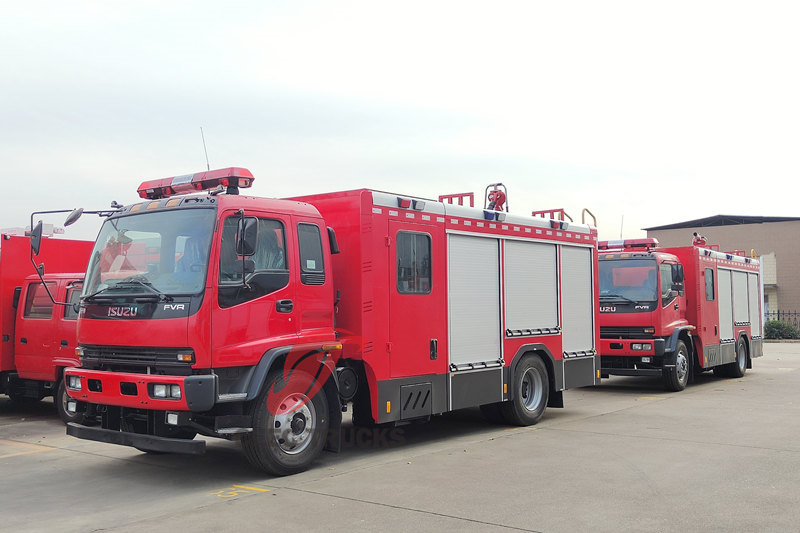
(200, 181)
(628, 244)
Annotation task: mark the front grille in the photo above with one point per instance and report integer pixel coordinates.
(624, 332)
(134, 359)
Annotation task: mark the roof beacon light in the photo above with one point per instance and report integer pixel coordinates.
(628, 244)
(231, 178)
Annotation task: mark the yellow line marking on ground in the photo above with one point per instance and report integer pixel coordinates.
(251, 488)
(32, 448)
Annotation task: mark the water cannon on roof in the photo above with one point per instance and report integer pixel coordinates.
(225, 179)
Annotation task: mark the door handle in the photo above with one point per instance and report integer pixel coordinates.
(284, 306)
(23, 340)
(434, 349)
(64, 343)
(676, 307)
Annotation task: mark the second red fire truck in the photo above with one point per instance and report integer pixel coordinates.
(262, 319)
(672, 312)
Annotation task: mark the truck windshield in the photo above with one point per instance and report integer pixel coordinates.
(631, 280)
(153, 253)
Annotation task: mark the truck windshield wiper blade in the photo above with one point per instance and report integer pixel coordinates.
(147, 285)
(617, 297)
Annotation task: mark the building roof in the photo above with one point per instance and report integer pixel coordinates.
(722, 220)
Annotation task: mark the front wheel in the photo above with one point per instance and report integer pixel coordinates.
(63, 401)
(289, 428)
(531, 390)
(676, 378)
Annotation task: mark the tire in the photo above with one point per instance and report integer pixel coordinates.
(530, 392)
(288, 442)
(676, 378)
(60, 400)
(739, 365)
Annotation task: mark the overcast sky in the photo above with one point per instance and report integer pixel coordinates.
(657, 112)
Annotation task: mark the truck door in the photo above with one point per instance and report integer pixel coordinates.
(35, 331)
(255, 305)
(67, 324)
(417, 319)
(672, 299)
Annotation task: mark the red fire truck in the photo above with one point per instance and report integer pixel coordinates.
(38, 338)
(263, 319)
(673, 312)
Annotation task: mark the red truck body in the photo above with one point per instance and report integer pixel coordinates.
(406, 307)
(38, 337)
(673, 312)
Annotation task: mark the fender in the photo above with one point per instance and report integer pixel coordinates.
(555, 371)
(668, 346)
(330, 389)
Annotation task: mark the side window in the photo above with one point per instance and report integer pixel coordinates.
(413, 263)
(665, 271)
(244, 278)
(73, 297)
(312, 266)
(37, 302)
(710, 284)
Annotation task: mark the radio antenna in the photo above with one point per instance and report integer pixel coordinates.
(208, 166)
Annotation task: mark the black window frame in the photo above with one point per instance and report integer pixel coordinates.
(309, 244)
(414, 275)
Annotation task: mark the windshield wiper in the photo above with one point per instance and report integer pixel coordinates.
(136, 280)
(618, 297)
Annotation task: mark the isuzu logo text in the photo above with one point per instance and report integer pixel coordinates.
(608, 309)
(123, 311)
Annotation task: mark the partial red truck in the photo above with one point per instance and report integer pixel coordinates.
(675, 312)
(260, 319)
(39, 337)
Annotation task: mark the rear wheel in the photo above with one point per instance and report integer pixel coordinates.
(739, 366)
(676, 378)
(289, 428)
(62, 402)
(531, 390)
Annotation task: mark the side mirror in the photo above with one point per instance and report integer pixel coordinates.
(332, 240)
(246, 236)
(36, 238)
(73, 216)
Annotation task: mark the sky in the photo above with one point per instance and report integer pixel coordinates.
(646, 113)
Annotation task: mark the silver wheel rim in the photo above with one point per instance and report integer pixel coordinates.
(531, 389)
(681, 367)
(294, 427)
(742, 358)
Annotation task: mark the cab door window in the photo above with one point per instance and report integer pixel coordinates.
(245, 277)
(73, 299)
(667, 292)
(312, 267)
(37, 303)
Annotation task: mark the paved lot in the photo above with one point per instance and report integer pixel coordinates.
(723, 455)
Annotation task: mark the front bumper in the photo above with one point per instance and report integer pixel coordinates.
(198, 393)
(142, 442)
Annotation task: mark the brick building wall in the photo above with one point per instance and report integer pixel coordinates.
(779, 238)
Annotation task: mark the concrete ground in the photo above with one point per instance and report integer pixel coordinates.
(723, 455)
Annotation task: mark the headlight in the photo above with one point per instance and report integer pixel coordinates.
(159, 391)
(74, 382)
(175, 391)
